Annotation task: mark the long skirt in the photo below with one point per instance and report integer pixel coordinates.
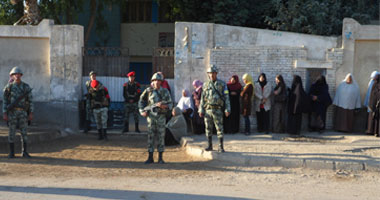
(344, 119)
(263, 120)
(373, 125)
(294, 123)
(279, 117)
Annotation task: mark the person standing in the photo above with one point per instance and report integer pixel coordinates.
(320, 101)
(347, 99)
(159, 101)
(89, 114)
(298, 102)
(366, 101)
(131, 94)
(279, 106)
(99, 102)
(374, 106)
(247, 95)
(215, 102)
(17, 100)
(263, 91)
(232, 122)
(198, 122)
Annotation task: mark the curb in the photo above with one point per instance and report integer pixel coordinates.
(273, 161)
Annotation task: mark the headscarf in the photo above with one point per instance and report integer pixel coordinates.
(177, 125)
(370, 84)
(234, 86)
(262, 84)
(281, 84)
(348, 95)
(185, 102)
(248, 78)
(198, 84)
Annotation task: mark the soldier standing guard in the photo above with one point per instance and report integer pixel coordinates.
(87, 122)
(17, 101)
(154, 103)
(99, 101)
(131, 93)
(214, 101)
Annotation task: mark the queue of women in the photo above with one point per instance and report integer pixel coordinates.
(279, 108)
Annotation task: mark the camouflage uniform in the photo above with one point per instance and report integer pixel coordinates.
(19, 114)
(18, 95)
(211, 106)
(156, 120)
(131, 91)
(99, 105)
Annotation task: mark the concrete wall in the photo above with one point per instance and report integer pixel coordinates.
(141, 38)
(51, 59)
(239, 50)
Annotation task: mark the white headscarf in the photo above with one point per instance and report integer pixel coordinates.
(185, 102)
(370, 84)
(347, 96)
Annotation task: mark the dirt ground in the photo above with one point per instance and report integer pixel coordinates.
(81, 167)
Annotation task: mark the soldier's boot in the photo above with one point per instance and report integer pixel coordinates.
(24, 151)
(209, 147)
(86, 127)
(100, 134)
(126, 128)
(160, 160)
(105, 134)
(221, 148)
(150, 158)
(137, 127)
(11, 150)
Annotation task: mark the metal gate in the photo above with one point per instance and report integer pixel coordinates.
(163, 60)
(111, 65)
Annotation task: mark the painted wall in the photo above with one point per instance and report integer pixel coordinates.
(32, 55)
(141, 38)
(51, 57)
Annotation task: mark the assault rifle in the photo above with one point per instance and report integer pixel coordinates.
(154, 108)
(13, 104)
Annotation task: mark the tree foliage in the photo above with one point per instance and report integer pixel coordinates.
(322, 17)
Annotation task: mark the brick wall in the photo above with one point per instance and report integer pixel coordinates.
(272, 60)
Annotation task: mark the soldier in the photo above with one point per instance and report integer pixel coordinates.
(87, 121)
(131, 93)
(99, 102)
(17, 102)
(214, 101)
(154, 103)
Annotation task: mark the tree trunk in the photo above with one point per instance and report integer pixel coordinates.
(31, 13)
(91, 22)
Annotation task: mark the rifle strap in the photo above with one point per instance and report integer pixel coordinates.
(213, 87)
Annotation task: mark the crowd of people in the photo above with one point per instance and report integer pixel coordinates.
(212, 107)
(279, 109)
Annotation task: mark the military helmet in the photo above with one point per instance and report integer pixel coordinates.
(92, 72)
(212, 68)
(15, 70)
(156, 76)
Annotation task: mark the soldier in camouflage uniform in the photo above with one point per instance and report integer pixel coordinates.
(89, 114)
(17, 101)
(214, 99)
(154, 103)
(131, 93)
(99, 102)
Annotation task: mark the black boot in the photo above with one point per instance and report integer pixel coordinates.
(100, 134)
(24, 151)
(105, 134)
(137, 130)
(221, 148)
(209, 148)
(85, 126)
(126, 128)
(150, 158)
(160, 160)
(11, 150)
